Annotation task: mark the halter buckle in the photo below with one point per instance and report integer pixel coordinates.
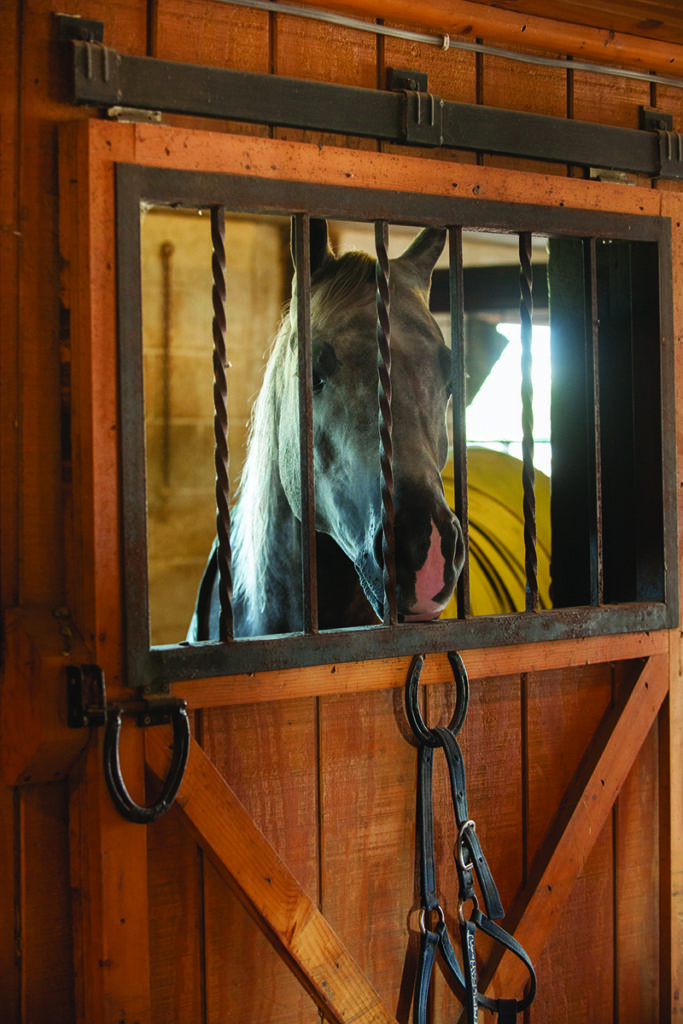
(458, 852)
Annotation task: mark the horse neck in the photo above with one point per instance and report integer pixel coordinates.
(265, 569)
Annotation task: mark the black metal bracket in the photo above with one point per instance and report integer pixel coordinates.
(87, 706)
(71, 27)
(86, 696)
(423, 112)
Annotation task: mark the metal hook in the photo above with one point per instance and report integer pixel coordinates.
(429, 736)
(122, 799)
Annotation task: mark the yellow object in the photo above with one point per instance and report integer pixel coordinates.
(496, 533)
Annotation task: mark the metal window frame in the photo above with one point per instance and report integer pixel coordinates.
(155, 668)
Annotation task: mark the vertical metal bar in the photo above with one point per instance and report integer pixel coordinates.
(594, 433)
(528, 474)
(302, 259)
(166, 253)
(385, 422)
(460, 501)
(220, 422)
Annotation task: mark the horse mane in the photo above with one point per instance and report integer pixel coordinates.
(334, 286)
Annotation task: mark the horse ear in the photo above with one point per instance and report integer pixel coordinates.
(423, 252)
(319, 244)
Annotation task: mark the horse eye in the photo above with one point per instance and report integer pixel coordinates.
(324, 365)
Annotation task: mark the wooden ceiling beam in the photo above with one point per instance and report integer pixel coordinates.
(519, 32)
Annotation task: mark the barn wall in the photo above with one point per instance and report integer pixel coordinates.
(157, 935)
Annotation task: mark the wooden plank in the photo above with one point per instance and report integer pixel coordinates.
(637, 867)
(567, 845)
(562, 712)
(324, 52)
(248, 862)
(35, 743)
(671, 735)
(10, 242)
(367, 816)
(386, 673)
(544, 92)
(44, 932)
(108, 861)
(277, 159)
(89, 293)
(523, 32)
(10, 963)
(269, 754)
(176, 879)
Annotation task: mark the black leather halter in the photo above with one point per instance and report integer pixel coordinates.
(469, 862)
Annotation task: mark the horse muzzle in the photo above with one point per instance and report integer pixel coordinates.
(427, 582)
(428, 563)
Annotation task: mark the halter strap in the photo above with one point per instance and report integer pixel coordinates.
(469, 861)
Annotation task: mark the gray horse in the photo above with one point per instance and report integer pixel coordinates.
(266, 531)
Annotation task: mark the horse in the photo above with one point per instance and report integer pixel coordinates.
(266, 541)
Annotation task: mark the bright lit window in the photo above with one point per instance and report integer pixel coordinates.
(494, 418)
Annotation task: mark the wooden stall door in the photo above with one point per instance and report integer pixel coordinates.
(297, 809)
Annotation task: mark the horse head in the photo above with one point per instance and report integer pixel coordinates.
(429, 548)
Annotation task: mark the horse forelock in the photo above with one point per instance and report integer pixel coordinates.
(340, 282)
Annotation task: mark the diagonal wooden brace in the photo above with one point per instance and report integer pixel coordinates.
(572, 836)
(267, 888)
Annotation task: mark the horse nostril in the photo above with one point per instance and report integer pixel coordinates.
(377, 549)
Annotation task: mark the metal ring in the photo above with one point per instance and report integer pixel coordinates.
(475, 906)
(121, 798)
(429, 736)
(427, 910)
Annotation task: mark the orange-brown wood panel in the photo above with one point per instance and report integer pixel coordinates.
(531, 88)
(9, 903)
(45, 942)
(317, 50)
(575, 970)
(368, 832)
(563, 711)
(607, 100)
(42, 91)
(109, 889)
(671, 773)
(211, 34)
(10, 240)
(176, 936)
(215, 35)
(492, 747)
(636, 878)
(269, 755)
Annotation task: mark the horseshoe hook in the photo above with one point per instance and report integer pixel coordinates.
(425, 735)
(122, 799)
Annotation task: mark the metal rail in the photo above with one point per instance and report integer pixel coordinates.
(409, 114)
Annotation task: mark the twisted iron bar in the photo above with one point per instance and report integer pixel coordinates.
(301, 228)
(526, 307)
(220, 422)
(166, 253)
(385, 422)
